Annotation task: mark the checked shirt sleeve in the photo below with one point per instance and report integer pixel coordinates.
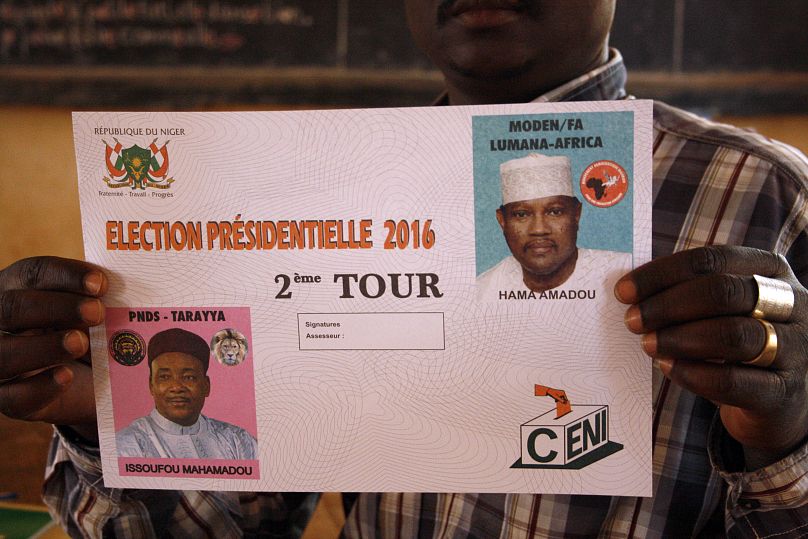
(770, 502)
(78, 500)
(740, 189)
(773, 501)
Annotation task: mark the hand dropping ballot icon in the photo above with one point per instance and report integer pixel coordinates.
(566, 436)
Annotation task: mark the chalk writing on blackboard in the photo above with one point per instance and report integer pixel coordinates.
(89, 32)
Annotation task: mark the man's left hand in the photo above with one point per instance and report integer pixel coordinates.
(693, 309)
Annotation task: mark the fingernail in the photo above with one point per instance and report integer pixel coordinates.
(93, 282)
(75, 342)
(92, 311)
(625, 291)
(633, 319)
(62, 376)
(649, 343)
(664, 365)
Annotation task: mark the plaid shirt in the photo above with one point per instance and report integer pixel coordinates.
(713, 184)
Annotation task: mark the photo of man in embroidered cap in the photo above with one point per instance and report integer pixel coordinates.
(176, 428)
(539, 218)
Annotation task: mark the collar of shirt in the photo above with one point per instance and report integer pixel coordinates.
(173, 428)
(603, 83)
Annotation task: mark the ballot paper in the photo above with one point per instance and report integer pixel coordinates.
(414, 299)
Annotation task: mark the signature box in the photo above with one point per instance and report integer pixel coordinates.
(371, 331)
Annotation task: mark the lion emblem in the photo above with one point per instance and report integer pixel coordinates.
(229, 347)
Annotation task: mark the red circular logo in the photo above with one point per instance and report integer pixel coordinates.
(604, 183)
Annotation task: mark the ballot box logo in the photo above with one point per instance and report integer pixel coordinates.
(604, 183)
(137, 167)
(567, 436)
(127, 347)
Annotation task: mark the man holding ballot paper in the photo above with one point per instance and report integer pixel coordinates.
(722, 311)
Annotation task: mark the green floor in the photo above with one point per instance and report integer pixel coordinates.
(22, 523)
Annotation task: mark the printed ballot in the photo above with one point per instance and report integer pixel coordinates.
(370, 300)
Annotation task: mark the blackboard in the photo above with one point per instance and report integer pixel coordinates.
(194, 53)
(166, 33)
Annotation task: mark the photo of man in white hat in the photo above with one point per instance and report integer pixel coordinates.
(539, 218)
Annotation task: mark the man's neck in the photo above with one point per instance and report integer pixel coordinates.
(465, 90)
(487, 93)
(172, 426)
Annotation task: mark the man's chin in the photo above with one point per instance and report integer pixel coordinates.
(489, 56)
(542, 268)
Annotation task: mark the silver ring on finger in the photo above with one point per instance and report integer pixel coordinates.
(766, 357)
(775, 299)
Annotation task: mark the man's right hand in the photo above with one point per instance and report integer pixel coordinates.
(46, 306)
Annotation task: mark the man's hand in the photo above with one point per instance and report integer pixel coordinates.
(46, 306)
(693, 309)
